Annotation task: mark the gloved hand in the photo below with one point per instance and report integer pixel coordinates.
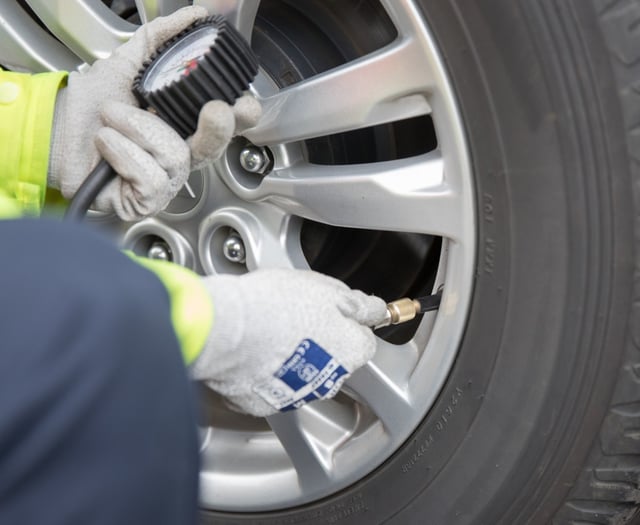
(96, 115)
(281, 338)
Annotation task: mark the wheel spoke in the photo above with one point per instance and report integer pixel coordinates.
(386, 396)
(310, 436)
(87, 27)
(268, 248)
(408, 195)
(349, 97)
(150, 9)
(241, 13)
(407, 21)
(26, 47)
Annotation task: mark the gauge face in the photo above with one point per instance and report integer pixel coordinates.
(180, 59)
(208, 61)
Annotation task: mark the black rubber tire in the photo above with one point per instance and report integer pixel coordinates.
(539, 421)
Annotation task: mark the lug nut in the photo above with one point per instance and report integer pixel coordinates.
(254, 159)
(159, 250)
(233, 249)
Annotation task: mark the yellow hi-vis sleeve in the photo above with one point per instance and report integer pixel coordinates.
(26, 117)
(191, 305)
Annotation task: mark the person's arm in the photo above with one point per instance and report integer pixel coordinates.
(27, 105)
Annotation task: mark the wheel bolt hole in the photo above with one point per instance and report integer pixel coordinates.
(255, 159)
(153, 247)
(233, 248)
(249, 163)
(228, 251)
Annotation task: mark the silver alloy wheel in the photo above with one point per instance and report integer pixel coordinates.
(293, 458)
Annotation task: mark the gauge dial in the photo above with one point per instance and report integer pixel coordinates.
(180, 59)
(207, 61)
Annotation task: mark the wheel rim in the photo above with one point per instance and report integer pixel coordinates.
(289, 459)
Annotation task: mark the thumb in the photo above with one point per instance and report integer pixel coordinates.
(215, 129)
(247, 111)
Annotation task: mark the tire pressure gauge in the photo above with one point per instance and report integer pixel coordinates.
(207, 61)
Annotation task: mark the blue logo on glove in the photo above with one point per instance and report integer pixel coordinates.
(310, 373)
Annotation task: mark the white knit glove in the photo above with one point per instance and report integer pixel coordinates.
(96, 115)
(282, 338)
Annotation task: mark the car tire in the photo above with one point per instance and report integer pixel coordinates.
(538, 421)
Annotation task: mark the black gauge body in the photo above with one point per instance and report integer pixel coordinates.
(207, 61)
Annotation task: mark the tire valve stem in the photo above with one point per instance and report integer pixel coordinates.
(405, 309)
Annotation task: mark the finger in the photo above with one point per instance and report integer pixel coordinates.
(149, 37)
(359, 346)
(368, 310)
(143, 187)
(247, 111)
(249, 404)
(153, 135)
(215, 129)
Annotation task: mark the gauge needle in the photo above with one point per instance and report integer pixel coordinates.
(187, 187)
